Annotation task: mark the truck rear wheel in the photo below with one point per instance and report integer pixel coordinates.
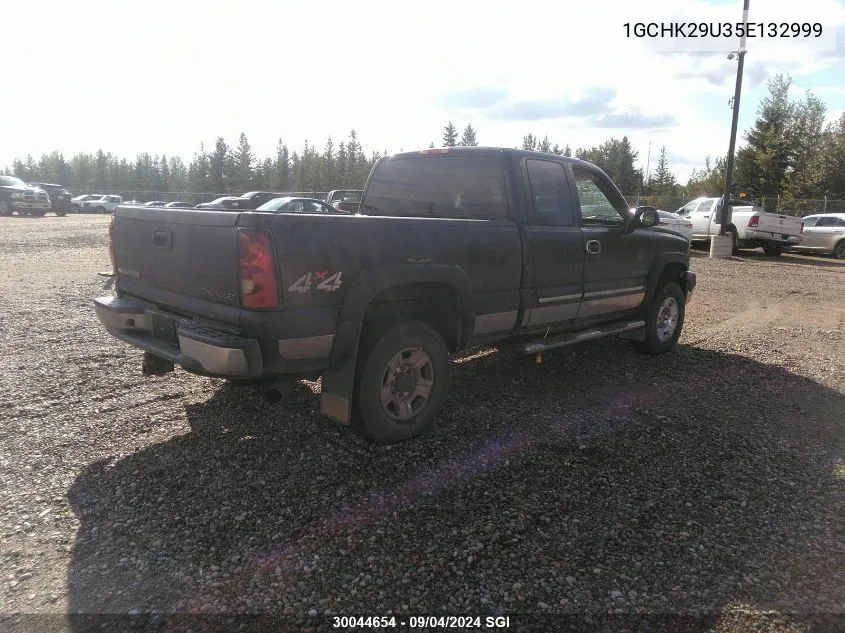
(665, 319)
(772, 251)
(839, 250)
(402, 382)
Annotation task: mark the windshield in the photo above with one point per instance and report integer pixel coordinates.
(11, 181)
(273, 205)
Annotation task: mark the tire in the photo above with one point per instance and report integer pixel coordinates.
(772, 251)
(390, 392)
(839, 250)
(665, 319)
(61, 214)
(38, 214)
(5, 209)
(734, 241)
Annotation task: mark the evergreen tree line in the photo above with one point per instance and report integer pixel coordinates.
(788, 154)
(223, 170)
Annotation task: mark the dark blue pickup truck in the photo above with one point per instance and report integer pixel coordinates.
(452, 247)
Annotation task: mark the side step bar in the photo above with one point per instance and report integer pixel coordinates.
(570, 339)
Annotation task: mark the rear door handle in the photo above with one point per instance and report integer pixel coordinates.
(705, 216)
(593, 247)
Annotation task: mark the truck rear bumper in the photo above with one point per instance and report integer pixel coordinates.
(772, 238)
(196, 347)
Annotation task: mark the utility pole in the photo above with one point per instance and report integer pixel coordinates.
(726, 209)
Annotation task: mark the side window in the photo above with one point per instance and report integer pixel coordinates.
(600, 202)
(438, 186)
(811, 220)
(706, 206)
(688, 208)
(312, 207)
(550, 193)
(828, 221)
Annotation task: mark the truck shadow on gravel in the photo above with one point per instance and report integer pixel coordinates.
(599, 480)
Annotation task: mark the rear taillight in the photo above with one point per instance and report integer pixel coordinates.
(111, 245)
(754, 221)
(257, 263)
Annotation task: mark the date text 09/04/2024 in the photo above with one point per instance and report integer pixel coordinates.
(758, 30)
(421, 621)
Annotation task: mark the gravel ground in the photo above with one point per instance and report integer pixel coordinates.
(710, 480)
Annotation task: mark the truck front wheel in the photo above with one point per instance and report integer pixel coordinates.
(665, 319)
(402, 382)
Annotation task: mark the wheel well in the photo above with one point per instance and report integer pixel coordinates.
(434, 303)
(672, 272)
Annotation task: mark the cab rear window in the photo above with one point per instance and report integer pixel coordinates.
(438, 187)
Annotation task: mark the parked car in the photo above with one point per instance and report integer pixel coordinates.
(823, 233)
(299, 205)
(224, 202)
(253, 199)
(155, 203)
(751, 226)
(17, 196)
(179, 205)
(77, 204)
(59, 197)
(137, 203)
(457, 247)
(103, 204)
(345, 199)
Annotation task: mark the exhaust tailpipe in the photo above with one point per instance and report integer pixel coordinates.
(278, 390)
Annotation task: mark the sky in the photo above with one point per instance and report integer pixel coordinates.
(163, 76)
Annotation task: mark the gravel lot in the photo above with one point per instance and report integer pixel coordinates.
(710, 480)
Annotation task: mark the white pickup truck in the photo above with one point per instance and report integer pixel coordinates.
(103, 204)
(751, 226)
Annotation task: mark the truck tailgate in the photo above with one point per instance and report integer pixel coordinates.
(190, 252)
(779, 224)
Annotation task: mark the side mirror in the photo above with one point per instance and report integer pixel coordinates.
(644, 217)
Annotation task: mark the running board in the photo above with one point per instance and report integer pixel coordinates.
(570, 339)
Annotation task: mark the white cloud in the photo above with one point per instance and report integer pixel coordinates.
(164, 76)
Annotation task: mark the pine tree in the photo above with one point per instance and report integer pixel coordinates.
(218, 164)
(529, 142)
(662, 181)
(281, 181)
(450, 135)
(545, 146)
(807, 175)
(763, 162)
(243, 160)
(567, 151)
(833, 158)
(468, 138)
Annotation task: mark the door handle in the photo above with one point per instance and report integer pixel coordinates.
(705, 216)
(594, 247)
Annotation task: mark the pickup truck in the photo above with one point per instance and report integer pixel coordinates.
(454, 247)
(348, 200)
(103, 204)
(751, 226)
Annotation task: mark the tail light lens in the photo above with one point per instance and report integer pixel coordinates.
(257, 262)
(754, 221)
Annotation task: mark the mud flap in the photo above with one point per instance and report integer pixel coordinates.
(338, 384)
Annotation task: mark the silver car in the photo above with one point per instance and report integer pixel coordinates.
(823, 233)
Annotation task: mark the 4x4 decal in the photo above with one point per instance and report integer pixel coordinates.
(327, 282)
